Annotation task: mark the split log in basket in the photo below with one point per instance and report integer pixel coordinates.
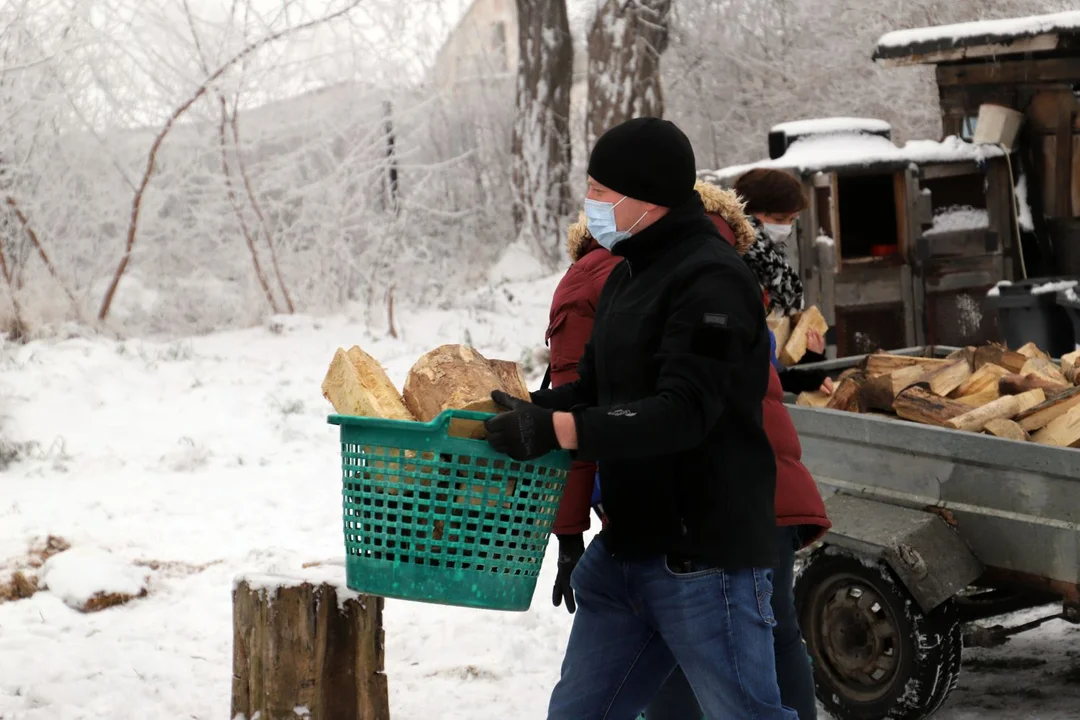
(1015, 394)
(306, 641)
(449, 377)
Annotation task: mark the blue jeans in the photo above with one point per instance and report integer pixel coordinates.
(676, 701)
(637, 619)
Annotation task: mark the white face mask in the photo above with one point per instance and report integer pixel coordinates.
(777, 232)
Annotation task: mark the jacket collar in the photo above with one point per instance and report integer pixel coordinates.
(680, 224)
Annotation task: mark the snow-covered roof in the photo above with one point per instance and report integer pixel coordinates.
(1001, 34)
(832, 125)
(852, 151)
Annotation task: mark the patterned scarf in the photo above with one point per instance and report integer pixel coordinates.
(767, 258)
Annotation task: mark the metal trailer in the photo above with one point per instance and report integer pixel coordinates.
(933, 529)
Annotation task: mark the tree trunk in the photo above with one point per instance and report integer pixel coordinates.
(626, 40)
(302, 645)
(541, 134)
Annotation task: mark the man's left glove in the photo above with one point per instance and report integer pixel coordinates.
(525, 433)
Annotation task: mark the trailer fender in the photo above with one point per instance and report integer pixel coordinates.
(928, 556)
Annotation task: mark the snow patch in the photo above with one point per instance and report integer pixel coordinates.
(996, 290)
(516, 264)
(1053, 287)
(79, 575)
(970, 314)
(822, 126)
(329, 573)
(825, 241)
(957, 218)
(1002, 29)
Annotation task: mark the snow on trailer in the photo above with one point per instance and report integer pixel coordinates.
(854, 150)
(978, 39)
(821, 126)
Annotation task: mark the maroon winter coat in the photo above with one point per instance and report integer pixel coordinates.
(573, 307)
(569, 326)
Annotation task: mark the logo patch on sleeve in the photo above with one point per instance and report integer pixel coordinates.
(715, 320)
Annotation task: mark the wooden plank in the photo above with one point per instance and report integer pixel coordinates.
(1063, 159)
(1007, 406)
(920, 405)
(1010, 72)
(1013, 46)
(880, 392)
(1042, 415)
(1045, 369)
(781, 329)
(980, 398)
(1008, 429)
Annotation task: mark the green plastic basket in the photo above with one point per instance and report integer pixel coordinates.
(437, 518)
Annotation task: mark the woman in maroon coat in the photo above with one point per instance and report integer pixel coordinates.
(800, 511)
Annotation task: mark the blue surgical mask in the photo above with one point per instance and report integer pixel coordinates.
(600, 219)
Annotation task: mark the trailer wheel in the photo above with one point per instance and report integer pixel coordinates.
(875, 653)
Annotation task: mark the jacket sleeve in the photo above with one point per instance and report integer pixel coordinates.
(793, 380)
(569, 339)
(711, 327)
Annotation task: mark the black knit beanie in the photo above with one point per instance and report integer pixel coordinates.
(648, 159)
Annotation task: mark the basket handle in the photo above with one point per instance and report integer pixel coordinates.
(440, 422)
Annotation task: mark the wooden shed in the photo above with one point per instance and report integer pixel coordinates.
(1031, 65)
(900, 244)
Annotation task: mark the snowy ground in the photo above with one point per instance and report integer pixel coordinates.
(212, 457)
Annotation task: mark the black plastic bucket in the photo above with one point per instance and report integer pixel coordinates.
(1028, 311)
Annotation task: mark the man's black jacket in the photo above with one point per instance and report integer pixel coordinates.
(669, 399)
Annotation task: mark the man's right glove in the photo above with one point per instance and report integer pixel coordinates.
(571, 548)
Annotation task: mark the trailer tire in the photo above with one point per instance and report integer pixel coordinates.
(875, 653)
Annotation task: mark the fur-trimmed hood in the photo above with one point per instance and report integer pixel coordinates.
(717, 200)
(729, 206)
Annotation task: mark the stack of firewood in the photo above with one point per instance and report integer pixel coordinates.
(1016, 394)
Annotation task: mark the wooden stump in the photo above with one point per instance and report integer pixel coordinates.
(302, 642)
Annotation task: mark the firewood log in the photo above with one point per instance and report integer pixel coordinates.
(356, 384)
(1031, 350)
(1013, 384)
(994, 354)
(980, 398)
(781, 330)
(1042, 415)
(918, 404)
(946, 378)
(1069, 361)
(964, 353)
(1062, 431)
(885, 363)
(814, 398)
(879, 393)
(1007, 406)
(795, 347)
(983, 380)
(1008, 429)
(511, 378)
(846, 395)
(1045, 369)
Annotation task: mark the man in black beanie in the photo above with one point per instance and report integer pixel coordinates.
(669, 404)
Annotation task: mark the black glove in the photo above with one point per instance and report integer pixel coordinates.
(525, 433)
(571, 548)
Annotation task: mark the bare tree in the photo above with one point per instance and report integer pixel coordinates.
(541, 136)
(626, 40)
